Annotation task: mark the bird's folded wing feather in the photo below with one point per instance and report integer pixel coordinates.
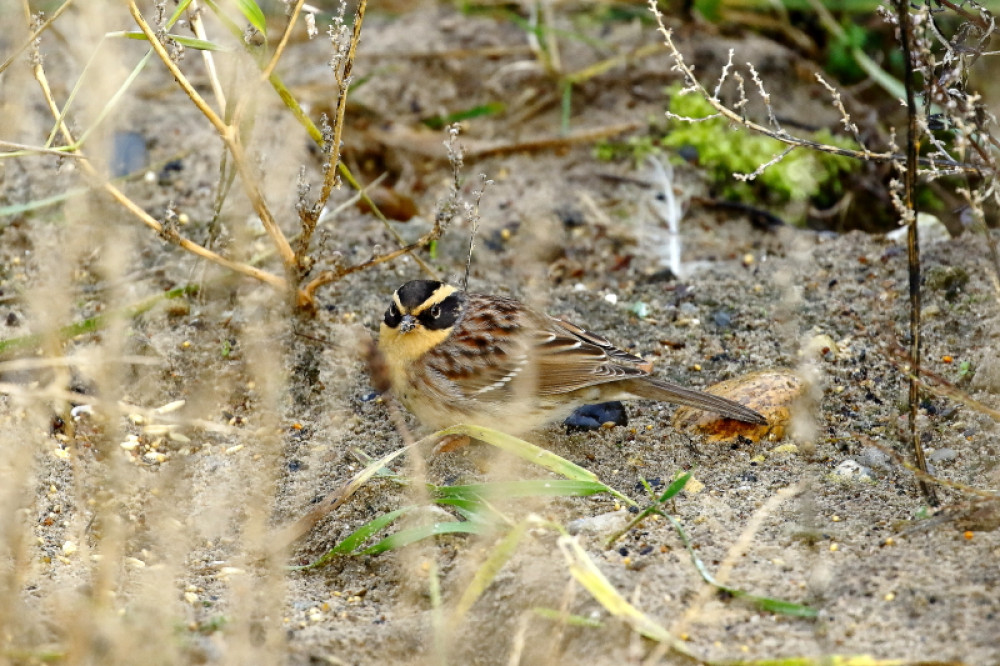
(570, 358)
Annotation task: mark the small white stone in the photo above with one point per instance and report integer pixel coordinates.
(170, 407)
(80, 410)
(851, 471)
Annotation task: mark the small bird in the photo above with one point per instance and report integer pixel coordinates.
(454, 357)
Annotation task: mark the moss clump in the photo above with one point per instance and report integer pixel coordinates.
(803, 177)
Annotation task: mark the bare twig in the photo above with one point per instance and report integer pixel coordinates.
(692, 84)
(168, 234)
(912, 240)
(310, 215)
(35, 34)
(230, 136)
(265, 73)
(198, 28)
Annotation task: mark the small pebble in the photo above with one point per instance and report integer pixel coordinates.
(605, 523)
(943, 455)
(874, 457)
(851, 471)
(640, 309)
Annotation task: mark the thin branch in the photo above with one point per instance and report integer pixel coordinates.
(168, 234)
(326, 277)
(692, 84)
(760, 169)
(198, 28)
(912, 241)
(330, 177)
(230, 135)
(34, 35)
(265, 74)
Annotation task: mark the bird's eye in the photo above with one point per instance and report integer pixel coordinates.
(436, 311)
(392, 310)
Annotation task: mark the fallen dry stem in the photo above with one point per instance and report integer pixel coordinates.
(942, 387)
(927, 477)
(112, 406)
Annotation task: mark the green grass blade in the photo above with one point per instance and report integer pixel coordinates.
(523, 449)
(779, 606)
(366, 531)
(835, 660)
(525, 488)
(764, 603)
(671, 490)
(414, 534)
(476, 511)
(293, 105)
(674, 488)
(181, 8)
(531, 453)
(96, 322)
(28, 206)
(490, 109)
(190, 42)
(566, 108)
(354, 540)
(252, 12)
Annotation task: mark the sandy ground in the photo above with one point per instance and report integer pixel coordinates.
(127, 543)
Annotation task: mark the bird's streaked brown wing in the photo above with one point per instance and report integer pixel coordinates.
(570, 358)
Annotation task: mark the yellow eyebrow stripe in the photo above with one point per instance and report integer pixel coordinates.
(443, 292)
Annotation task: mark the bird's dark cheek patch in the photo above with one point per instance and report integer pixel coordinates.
(449, 311)
(392, 318)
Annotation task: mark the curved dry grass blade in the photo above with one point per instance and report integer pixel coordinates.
(500, 554)
(585, 571)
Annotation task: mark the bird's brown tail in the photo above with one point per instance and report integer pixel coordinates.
(655, 389)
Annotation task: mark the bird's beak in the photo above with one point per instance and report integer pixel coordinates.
(408, 324)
